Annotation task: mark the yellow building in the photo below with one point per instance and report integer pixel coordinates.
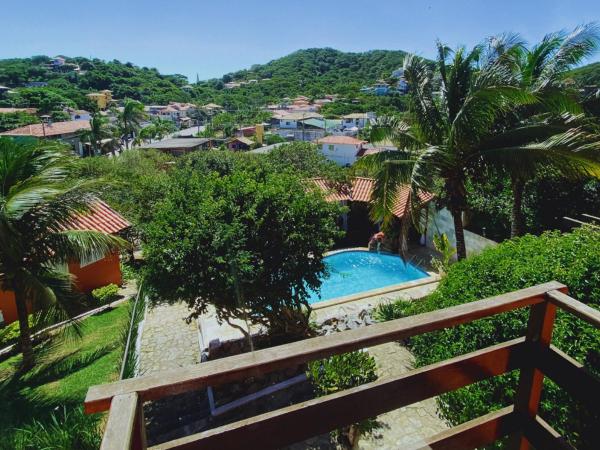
(102, 98)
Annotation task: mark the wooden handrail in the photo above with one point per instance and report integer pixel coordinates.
(581, 310)
(213, 373)
(475, 433)
(532, 354)
(277, 428)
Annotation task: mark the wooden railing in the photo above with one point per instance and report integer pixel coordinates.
(531, 354)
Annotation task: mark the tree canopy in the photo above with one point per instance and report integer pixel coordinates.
(249, 244)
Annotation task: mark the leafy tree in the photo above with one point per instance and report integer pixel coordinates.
(36, 205)
(133, 182)
(17, 119)
(304, 159)
(158, 129)
(250, 245)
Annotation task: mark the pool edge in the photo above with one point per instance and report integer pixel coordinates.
(431, 278)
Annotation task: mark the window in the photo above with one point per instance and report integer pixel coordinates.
(330, 147)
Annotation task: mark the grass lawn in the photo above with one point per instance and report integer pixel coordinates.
(63, 372)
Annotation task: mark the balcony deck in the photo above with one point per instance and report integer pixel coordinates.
(532, 354)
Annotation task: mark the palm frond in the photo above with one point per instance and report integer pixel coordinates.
(80, 245)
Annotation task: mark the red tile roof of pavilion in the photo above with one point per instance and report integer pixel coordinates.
(101, 217)
(361, 190)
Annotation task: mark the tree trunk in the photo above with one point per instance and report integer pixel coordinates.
(459, 232)
(25, 331)
(517, 226)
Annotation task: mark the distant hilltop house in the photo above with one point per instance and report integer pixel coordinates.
(68, 132)
(233, 84)
(212, 108)
(89, 274)
(103, 98)
(292, 120)
(343, 150)
(381, 87)
(358, 120)
(36, 84)
(177, 112)
(181, 146)
(60, 64)
(240, 143)
(78, 114)
(31, 111)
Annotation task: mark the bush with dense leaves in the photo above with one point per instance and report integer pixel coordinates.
(573, 259)
(340, 372)
(106, 294)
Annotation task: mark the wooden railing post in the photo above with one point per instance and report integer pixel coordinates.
(121, 424)
(139, 429)
(531, 380)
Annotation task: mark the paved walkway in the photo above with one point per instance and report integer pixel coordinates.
(408, 425)
(167, 341)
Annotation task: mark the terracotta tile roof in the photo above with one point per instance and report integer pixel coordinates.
(361, 190)
(349, 140)
(51, 129)
(100, 218)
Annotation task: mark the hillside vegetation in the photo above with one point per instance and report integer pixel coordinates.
(586, 75)
(312, 72)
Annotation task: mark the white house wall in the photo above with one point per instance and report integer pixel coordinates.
(441, 222)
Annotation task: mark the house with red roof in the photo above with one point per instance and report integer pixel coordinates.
(68, 132)
(343, 150)
(357, 196)
(89, 274)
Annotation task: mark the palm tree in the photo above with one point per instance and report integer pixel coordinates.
(442, 135)
(130, 119)
(36, 204)
(540, 71)
(99, 131)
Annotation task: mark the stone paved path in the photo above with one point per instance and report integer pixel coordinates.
(405, 426)
(167, 341)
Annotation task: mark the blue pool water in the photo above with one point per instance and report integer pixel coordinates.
(357, 271)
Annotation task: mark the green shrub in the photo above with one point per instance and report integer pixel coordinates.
(106, 294)
(340, 372)
(128, 272)
(64, 429)
(10, 334)
(573, 259)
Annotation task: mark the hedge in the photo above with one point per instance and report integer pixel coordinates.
(573, 259)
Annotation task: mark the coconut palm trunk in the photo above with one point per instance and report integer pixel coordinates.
(517, 227)
(459, 232)
(24, 330)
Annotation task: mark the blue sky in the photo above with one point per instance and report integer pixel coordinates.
(218, 36)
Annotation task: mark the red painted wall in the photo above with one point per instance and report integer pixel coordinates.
(92, 276)
(8, 306)
(98, 274)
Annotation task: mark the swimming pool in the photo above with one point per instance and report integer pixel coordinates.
(355, 271)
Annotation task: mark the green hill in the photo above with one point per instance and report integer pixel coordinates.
(311, 72)
(586, 75)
